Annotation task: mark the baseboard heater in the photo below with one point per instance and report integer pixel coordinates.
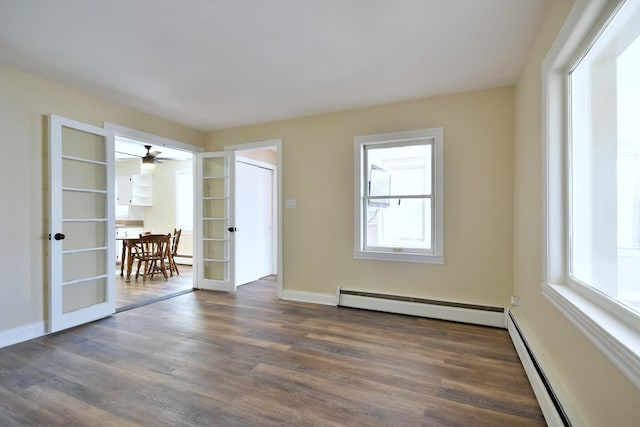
(444, 310)
(552, 409)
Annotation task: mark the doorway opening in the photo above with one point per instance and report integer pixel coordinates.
(256, 213)
(154, 188)
(258, 217)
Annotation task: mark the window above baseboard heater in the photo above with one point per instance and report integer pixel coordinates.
(444, 310)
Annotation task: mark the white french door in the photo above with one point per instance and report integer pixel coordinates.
(81, 223)
(214, 215)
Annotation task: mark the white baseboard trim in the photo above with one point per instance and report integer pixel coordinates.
(22, 333)
(549, 404)
(312, 297)
(446, 311)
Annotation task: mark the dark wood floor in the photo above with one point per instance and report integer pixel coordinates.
(139, 291)
(216, 359)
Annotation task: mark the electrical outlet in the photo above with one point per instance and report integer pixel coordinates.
(515, 301)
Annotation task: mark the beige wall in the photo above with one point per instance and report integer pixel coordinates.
(592, 390)
(265, 156)
(128, 167)
(25, 101)
(161, 216)
(318, 173)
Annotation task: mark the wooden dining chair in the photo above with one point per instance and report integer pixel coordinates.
(144, 233)
(152, 250)
(174, 251)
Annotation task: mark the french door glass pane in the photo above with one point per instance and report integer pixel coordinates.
(76, 143)
(214, 270)
(215, 229)
(213, 187)
(215, 250)
(84, 235)
(84, 294)
(83, 205)
(79, 265)
(214, 208)
(215, 166)
(79, 174)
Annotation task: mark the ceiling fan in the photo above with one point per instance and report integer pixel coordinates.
(151, 157)
(131, 151)
(127, 149)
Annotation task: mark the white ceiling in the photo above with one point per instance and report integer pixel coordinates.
(213, 64)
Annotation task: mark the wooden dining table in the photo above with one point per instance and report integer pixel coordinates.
(127, 251)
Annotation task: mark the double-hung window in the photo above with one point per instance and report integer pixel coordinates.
(398, 187)
(593, 178)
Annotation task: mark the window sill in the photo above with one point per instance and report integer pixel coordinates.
(399, 257)
(616, 339)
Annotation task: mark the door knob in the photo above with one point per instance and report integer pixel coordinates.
(232, 229)
(59, 236)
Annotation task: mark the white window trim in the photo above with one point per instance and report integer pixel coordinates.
(437, 257)
(614, 330)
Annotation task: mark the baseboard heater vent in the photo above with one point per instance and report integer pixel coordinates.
(552, 409)
(444, 310)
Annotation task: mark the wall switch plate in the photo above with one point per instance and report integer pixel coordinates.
(290, 204)
(515, 301)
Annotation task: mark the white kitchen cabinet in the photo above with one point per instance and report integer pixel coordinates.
(123, 190)
(136, 190)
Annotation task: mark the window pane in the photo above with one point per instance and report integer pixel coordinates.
(399, 170)
(406, 223)
(184, 200)
(629, 174)
(605, 165)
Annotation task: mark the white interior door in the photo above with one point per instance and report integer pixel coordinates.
(254, 220)
(82, 224)
(215, 228)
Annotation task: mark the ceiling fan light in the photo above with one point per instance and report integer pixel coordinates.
(148, 163)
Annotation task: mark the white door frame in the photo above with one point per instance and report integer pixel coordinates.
(278, 199)
(155, 140)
